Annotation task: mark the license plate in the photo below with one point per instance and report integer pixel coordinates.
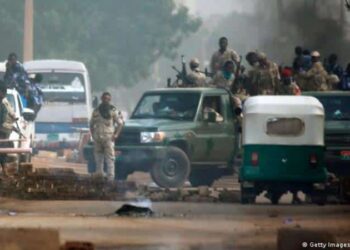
(52, 137)
(345, 154)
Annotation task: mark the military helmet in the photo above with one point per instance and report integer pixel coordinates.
(194, 63)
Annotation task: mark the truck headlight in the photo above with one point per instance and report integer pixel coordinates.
(151, 137)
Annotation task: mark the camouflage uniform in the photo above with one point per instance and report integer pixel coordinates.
(103, 131)
(219, 80)
(196, 78)
(316, 78)
(269, 79)
(7, 118)
(218, 59)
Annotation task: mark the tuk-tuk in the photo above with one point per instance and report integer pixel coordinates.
(283, 148)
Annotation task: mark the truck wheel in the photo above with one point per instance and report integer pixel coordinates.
(173, 170)
(202, 178)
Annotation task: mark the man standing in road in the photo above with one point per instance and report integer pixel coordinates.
(223, 55)
(7, 118)
(105, 125)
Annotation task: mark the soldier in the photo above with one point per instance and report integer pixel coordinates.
(269, 76)
(7, 118)
(253, 75)
(104, 132)
(195, 78)
(333, 68)
(222, 55)
(224, 78)
(288, 86)
(316, 77)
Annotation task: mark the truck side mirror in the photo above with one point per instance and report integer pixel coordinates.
(28, 114)
(238, 111)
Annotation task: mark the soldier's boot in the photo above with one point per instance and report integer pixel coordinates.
(110, 167)
(99, 165)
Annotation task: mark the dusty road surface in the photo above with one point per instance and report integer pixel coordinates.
(174, 225)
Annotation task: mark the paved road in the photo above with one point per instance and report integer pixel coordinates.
(175, 225)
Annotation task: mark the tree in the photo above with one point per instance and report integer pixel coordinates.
(118, 40)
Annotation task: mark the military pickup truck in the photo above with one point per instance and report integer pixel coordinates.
(178, 134)
(337, 136)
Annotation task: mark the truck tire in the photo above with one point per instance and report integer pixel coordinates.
(173, 170)
(202, 177)
(247, 195)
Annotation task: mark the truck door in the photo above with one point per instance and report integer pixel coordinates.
(215, 140)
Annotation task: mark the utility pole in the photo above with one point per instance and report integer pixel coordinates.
(28, 31)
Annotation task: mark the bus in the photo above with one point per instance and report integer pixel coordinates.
(67, 103)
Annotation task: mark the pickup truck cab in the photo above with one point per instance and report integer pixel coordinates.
(178, 134)
(337, 135)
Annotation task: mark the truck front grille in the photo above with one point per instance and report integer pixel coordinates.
(128, 137)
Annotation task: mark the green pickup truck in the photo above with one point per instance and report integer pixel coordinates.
(178, 134)
(337, 135)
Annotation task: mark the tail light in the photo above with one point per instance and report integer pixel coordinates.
(313, 160)
(255, 159)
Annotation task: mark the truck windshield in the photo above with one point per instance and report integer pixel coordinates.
(63, 87)
(336, 107)
(175, 106)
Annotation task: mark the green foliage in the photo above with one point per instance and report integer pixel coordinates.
(118, 40)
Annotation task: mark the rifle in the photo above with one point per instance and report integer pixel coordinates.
(181, 75)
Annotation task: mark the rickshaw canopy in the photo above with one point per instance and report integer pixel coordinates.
(283, 120)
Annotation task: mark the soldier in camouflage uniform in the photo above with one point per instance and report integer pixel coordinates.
(195, 78)
(7, 118)
(253, 75)
(316, 77)
(105, 125)
(287, 85)
(269, 76)
(222, 55)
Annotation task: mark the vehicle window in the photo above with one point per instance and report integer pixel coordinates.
(177, 106)
(11, 100)
(63, 87)
(213, 104)
(285, 127)
(336, 107)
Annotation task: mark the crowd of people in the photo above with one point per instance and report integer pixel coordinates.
(307, 73)
(27, 85)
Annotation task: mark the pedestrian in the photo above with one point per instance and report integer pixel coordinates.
(223, 55)
(105, 125)
(316, 77)
(7, 118)
(195, 77)
(225, 77)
